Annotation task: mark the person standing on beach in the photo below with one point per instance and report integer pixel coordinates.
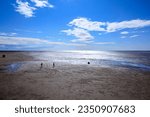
(41, 65)
(53, 65)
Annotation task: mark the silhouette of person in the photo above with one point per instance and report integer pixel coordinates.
(53, 65)
(41, 65)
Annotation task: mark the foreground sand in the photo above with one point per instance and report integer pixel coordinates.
(68, 81)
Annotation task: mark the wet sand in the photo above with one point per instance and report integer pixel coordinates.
(67, 81)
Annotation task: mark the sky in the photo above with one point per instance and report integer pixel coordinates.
(57, 25)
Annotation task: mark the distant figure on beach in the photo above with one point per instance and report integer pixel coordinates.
(3, 56)
(88, 62)
(53, 65)
(41, 65)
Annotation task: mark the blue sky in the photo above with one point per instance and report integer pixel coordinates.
(74, 25)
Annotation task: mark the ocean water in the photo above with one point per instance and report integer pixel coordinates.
(128, 59)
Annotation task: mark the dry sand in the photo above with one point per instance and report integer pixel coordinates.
(68, 81)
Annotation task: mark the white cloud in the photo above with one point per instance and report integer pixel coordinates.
(74, 44)
(99, 33)
(6, 40)
(105, 43)
(133, 36)
(80, 34)
(12, 34)
(27, 10)
(84, 23)
(115, 26)
(83, 26)
(20, 40)
(24, 8)
(7, 34)
(124, 33)
(89, 25)
(123, 37)
(42, 3)
(3, 34)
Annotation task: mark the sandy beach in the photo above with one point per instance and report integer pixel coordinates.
(28, 81)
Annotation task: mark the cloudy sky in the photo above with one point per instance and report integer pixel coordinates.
(74, 24)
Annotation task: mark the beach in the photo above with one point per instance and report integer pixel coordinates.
(23, 78)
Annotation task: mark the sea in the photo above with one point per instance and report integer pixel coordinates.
(127, 59)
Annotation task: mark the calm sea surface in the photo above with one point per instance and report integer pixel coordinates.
(129, 59)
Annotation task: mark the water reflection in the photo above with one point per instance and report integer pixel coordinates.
(14, 67)
(139, 60)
